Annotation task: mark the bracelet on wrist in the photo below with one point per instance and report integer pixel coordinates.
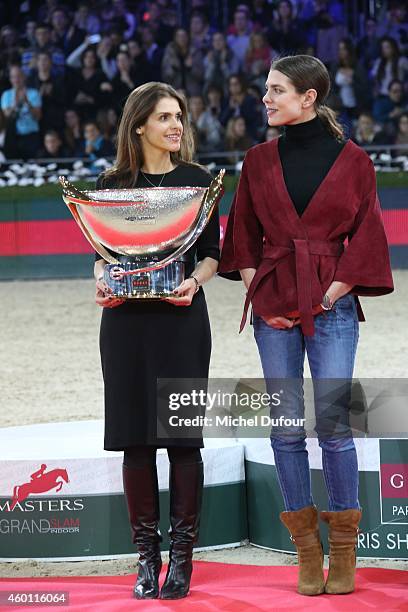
(196, 283)
(326, 303)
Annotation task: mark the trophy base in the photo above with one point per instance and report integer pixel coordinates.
(153, 285)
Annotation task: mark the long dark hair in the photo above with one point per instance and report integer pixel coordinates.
(351, 61)
(308, 72)
(383, 60)
(290, 5)
(139, 105)
(93, 51)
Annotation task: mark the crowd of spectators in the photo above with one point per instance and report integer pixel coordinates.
(66, 70)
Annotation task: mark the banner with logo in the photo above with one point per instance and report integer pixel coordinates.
(75, 508)
(383, 494)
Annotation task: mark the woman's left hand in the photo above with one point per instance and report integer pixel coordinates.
(183, 294)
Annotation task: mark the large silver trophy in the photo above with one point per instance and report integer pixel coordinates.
(150, 229)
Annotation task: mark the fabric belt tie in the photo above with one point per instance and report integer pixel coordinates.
(302, 249)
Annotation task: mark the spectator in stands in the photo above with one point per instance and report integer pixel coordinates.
(106, 54)
(367, 132)
(396, 25)
(258, 59)
(95, 145)
(238, 41)
(200, 35)
(154, 55)
(3, 127)
(388, 109)
(64, 35)
(369, 48)
(108, 119)
(236, 137)
(139, 60)
(401, 137)
(86, 20)
(169, 22)
(161, 21)
(219, 64)
(350, 83)
(52, 91)
(271, 133)
(28, 38)
(119, 16)
(127, 78)
(9, 38)
(9, 43)
(261, 14)
(116, 37)
(45, 11)
(389, 66)
(257, 93)
(52, 146)
(324, 21)
(22, 108)
(286, 34)
(240, 103)
(74, 58)
(215, 101)
(208, 130)
(73, 135)
(85, 85)
(43, 44)
(183, 65)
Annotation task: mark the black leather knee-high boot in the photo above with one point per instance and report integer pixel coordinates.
(186, 488)
(142, 496)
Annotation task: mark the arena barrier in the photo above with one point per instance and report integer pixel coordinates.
(383, 466)
(61, 495)
(40, 239)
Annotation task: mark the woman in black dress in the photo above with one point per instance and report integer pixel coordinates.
(142, 341)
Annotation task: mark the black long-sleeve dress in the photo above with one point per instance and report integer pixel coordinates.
(143, 340)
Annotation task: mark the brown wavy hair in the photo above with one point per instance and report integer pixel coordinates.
(383, 61)
(308, 72)
(139, 105)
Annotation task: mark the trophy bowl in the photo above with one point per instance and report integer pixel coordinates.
(150, 230)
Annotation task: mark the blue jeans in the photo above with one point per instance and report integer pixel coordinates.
(331, 353)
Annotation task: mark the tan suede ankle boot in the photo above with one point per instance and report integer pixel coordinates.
(304, 533)
(343, 530)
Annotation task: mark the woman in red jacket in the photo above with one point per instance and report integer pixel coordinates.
(299, 198)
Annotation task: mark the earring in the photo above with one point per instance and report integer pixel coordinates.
(138, 131)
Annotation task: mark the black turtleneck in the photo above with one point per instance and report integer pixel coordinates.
(307, 152)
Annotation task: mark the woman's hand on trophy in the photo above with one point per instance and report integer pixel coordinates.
(184, 293)
(103, 297)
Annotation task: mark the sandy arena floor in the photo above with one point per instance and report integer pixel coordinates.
(51, 372)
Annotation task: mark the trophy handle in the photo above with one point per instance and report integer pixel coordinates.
(96, 245)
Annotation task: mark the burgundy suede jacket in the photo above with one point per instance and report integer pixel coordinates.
(339, 237)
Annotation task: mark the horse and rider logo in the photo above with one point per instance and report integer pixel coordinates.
(40, 482)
